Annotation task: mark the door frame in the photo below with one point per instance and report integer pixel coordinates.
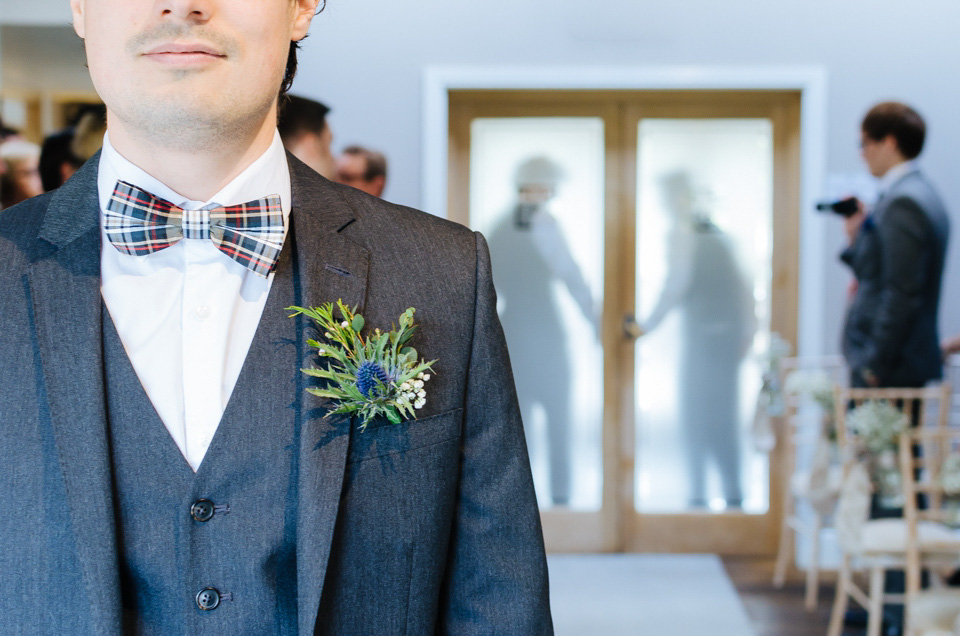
(444, 85)
(616, 525)
(810, 81)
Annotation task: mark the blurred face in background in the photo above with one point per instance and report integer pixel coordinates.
(352, 171)
(880, 154)
(21, 180)
(315, 151)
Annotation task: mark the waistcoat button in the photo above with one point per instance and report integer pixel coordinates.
(202, 510)
(208, 598)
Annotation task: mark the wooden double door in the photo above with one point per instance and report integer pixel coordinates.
(644, 249)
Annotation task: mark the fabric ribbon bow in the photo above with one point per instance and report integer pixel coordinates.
(136, 222)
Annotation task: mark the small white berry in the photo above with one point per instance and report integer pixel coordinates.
(426, 376)
(421, 394)
(419, 403)
(344, 324)
(418, 384)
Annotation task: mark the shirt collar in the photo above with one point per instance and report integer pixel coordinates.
(896, 173)
(268, 174)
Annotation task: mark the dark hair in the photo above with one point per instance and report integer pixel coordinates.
(299, 115)
(55, 152)
(291, 69)
(375, 162)
(899, 120)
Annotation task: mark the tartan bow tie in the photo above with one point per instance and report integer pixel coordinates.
(136, 222)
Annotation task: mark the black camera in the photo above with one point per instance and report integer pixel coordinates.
(843, 207)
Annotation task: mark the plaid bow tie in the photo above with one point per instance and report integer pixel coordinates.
(251, 233)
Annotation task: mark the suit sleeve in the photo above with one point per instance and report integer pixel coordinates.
(497, 577)
(905, 263)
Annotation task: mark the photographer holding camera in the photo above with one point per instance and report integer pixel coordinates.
(897, 254)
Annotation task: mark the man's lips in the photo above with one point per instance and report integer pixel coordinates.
(178, 53)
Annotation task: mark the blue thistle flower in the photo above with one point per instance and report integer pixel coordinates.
(367, 376)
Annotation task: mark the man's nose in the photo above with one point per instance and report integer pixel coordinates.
(197, 11)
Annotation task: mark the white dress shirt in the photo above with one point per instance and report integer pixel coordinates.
(186, 315)
(894, 174)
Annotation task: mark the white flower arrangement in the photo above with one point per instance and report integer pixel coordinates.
(950, 474)
(771, 392)
(778, 349)
(878, 425)
(814, 383)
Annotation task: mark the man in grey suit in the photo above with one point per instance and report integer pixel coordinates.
(163, 469)
(897, 253)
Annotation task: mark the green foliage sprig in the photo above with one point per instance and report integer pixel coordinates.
(367, 376)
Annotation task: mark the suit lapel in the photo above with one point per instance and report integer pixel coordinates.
(330, 267)
(65, 292)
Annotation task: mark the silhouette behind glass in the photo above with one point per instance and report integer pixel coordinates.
(705, 284)
(529, 251)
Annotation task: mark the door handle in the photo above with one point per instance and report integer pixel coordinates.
(631, 328)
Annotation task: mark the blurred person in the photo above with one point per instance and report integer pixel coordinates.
(896, 253)
(21, 179)
(63, 152)
(529, 250)
(363, 169)
(306, 133)
(57, 161)
(88, 133)
(6, 134)
(706, 285)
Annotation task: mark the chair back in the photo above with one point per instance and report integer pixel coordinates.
(927, 407)
(930, 470)
(806, 413)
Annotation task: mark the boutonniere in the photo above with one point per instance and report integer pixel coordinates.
(368, 376)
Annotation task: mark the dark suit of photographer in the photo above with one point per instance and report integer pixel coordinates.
(897, 254)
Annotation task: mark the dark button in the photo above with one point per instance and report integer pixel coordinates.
(202, 510)
(208, 598)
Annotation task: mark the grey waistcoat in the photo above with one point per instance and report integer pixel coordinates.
(240, 541)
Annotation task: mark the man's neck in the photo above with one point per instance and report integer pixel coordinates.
(894, 173)
(195, 172)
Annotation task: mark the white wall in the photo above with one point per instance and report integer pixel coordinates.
(365, 59)
(48, 12)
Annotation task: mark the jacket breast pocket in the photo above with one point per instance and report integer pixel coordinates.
(382, 439)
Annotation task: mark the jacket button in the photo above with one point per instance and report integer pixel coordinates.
(202, 510)
(208, 598)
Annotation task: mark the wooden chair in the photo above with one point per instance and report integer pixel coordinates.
(873, 546)
(810, 483)
(932, 540)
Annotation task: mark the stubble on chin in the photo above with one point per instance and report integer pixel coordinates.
(183, 125)
(185, 111)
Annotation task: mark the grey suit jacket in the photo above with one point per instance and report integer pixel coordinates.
(430, 526)
(898, 257)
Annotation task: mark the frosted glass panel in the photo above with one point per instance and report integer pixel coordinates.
(704, 234)
(536, 193)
